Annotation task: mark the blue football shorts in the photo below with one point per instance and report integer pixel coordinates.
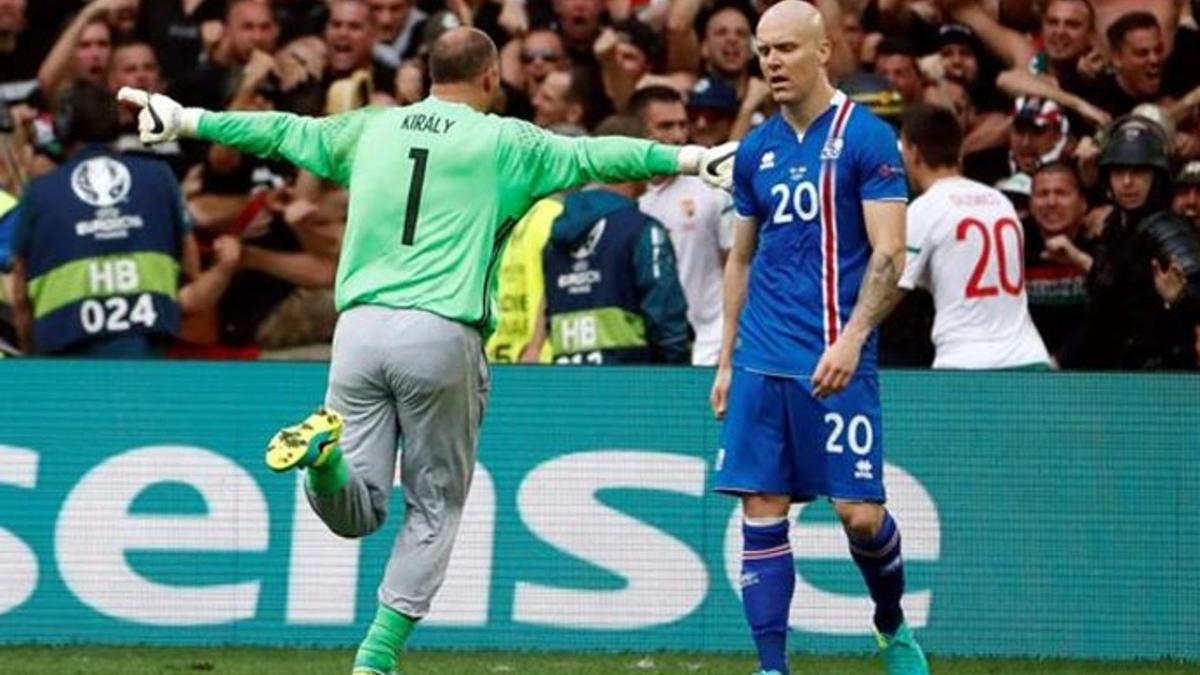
(780, 439)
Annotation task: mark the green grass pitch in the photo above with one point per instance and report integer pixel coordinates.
(76, 660)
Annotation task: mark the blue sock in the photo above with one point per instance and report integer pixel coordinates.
(768, 579)
(879, 560)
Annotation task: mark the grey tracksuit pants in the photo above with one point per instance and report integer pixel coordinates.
(411, 376)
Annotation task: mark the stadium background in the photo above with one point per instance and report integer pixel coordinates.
(1044, 514)
(1048, 515)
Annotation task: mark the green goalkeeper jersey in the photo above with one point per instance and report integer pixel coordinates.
(435, 189)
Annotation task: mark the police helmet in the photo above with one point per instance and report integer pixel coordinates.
(1135, 141)
(1173, 237)
(1155, 113)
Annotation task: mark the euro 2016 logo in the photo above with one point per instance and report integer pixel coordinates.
(101, 182)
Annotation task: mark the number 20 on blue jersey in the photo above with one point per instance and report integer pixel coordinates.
(790, 202)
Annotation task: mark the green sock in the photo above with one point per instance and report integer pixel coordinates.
(331, 474)
(385, 638)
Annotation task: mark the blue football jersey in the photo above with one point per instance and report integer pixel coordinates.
(806, 191)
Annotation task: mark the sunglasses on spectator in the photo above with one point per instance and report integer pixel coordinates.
(547, 55)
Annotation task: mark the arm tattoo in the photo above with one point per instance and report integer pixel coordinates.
(880, 291)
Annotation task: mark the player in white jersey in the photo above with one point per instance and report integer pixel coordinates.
(966, 246)
(698, 217)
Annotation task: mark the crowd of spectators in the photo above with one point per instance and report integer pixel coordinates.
(1043, 91)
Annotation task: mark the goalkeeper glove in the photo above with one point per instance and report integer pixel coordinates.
(713, 165)
(162, 119)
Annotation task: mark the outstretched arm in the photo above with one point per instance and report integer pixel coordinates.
(1012, 47)
(552, 163)
(683, 45)
(1018, 82)
(324, 146)
(56, 68)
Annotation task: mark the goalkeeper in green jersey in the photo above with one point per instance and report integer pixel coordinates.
(435, 189)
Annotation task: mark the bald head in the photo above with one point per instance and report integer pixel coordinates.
(800, 19)
(793, 51)
(461, 55)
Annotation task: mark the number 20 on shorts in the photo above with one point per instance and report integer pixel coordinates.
(857, 433)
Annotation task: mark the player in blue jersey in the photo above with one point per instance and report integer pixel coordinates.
(820, 194)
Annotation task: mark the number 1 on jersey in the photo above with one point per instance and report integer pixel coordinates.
(419, 156)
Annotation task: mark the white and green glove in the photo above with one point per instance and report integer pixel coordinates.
(713, 165)
(162, 119)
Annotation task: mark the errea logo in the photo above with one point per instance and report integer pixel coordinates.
(863, 470)
(768, 161)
